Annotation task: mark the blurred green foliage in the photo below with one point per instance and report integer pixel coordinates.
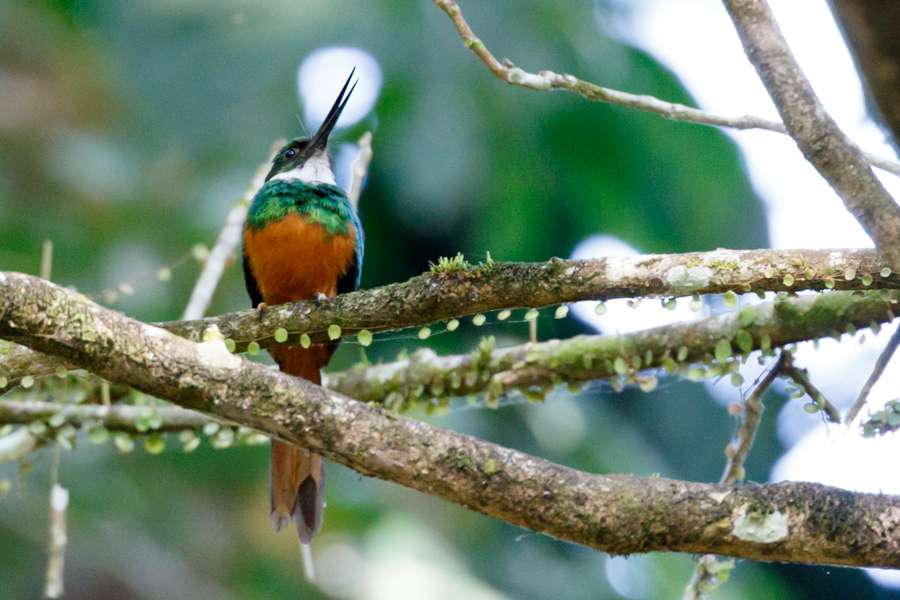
(127, 129)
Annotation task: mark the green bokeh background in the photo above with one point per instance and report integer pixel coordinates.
(127, 129)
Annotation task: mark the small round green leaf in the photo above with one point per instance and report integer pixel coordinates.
(730, 299)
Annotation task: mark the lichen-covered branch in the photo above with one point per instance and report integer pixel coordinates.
(18, 361)
(834, 155)
(548, 80)
(44, 423)
(717, 344)
(471, 289)
(620, 514)
(718, 341)
(123, 417)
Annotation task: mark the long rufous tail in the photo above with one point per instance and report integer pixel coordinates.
(297, 477)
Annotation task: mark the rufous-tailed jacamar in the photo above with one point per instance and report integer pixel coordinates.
(302, 240)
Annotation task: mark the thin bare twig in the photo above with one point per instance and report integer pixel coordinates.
(547, 80)
(229, 239)
(706, 576)
(801, 378)
(59, 503)
(59, 496)
(47, 259)
(360, 168)
(880, 365)
(753, 409)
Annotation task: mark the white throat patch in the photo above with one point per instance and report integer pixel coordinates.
(317, 169)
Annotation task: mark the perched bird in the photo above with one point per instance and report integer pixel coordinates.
(302, 240)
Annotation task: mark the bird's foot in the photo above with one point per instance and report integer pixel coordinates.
(319, 297)
(261, 308)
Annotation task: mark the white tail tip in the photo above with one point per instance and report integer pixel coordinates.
(308, 568)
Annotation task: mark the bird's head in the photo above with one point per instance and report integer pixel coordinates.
(307, 159)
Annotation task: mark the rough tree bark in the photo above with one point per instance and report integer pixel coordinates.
(870, 28)
(620, 514)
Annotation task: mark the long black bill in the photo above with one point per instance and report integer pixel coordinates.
(320, 140)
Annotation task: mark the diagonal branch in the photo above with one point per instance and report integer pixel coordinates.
(819, 402)
(360, 169)
(620, 514)
(834, 155)
(707, 574)
(548, 80)
(753, 410)
(228, 240)
(880, 365)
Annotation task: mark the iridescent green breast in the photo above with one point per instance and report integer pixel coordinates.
(320, 203)
(316, 203)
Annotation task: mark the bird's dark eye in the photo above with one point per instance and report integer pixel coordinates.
(290, 153)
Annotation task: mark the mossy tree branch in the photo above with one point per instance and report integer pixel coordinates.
(620, 514)
(718, 344)
(471, 289)
(719, 341)
(52, 422)
(126, 418)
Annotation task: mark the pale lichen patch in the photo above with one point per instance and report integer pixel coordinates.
(212, 334)
(719, 497)
(151, 331)
(532, 80)
(888, 522)
(836, 260)
(215, 354)
(683, 280)
(751, 526)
